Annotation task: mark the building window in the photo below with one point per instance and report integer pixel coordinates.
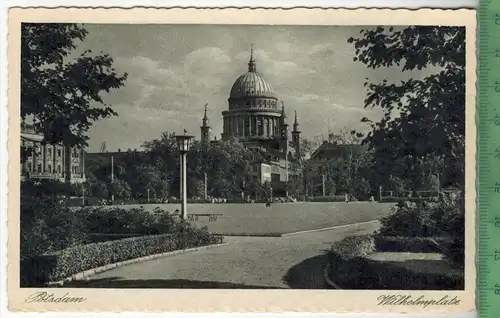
(39, 167)
(49, 151)
(49, 168)
(58, 169)
(28, 165)
(59, 152)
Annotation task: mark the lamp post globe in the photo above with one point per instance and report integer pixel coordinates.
(183, 144)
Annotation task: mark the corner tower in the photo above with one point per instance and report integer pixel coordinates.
(283, 123)
(296, 137)
(205, 127)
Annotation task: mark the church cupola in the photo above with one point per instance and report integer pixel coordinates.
(205, 127)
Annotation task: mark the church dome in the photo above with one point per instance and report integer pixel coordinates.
(251, 84)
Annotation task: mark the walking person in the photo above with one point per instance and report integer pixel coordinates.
(268, 202)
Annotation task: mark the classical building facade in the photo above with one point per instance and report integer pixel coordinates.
(257, 118)
(50, 161)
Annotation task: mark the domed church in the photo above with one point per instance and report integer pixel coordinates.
(257, 118)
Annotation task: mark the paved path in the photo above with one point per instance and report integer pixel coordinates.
(295, 261)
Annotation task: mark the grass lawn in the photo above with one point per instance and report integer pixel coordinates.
(256, 219)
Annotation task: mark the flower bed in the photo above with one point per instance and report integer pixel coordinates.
(67, 262)
(352, 268)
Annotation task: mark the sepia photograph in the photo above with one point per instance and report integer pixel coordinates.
(243, 156)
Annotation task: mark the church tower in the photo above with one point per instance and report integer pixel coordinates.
(283, 129)
(283, 123)
(296, 137)
(205, 127)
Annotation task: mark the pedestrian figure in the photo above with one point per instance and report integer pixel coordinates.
(268, 203)
(346, 198)
(372, 199)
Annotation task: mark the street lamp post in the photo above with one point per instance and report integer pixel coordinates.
(148, 195)
(183, 143)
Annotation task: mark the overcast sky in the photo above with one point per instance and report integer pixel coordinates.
(175, 69)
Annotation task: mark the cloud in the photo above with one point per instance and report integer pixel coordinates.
(321, 48)
(175, 69)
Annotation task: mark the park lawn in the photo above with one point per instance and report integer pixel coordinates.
(256, 219)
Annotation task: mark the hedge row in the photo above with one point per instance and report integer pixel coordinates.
(350, 267)
(332, 198)
(364, 273)
(411, 244)
(77, 202)
(411, 199)
(56, 266)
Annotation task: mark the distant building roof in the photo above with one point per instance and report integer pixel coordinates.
(330, 150)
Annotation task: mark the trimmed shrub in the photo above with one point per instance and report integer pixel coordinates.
(55, 266)
(409, 219)
(444, 218)
(354, 246)
(47, 225)
(118, 220)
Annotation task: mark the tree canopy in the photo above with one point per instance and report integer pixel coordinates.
(61, 92)
(228, 166)
(424, 119)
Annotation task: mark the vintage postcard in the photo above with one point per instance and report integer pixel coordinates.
(239, 160)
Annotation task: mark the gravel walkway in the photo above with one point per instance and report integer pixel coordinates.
(246, 262)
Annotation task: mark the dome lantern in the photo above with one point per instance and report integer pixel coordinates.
(252, 67)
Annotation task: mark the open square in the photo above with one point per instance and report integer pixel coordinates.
(278, 219)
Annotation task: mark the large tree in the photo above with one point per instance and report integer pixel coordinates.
(424, 119)
(60, 91)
